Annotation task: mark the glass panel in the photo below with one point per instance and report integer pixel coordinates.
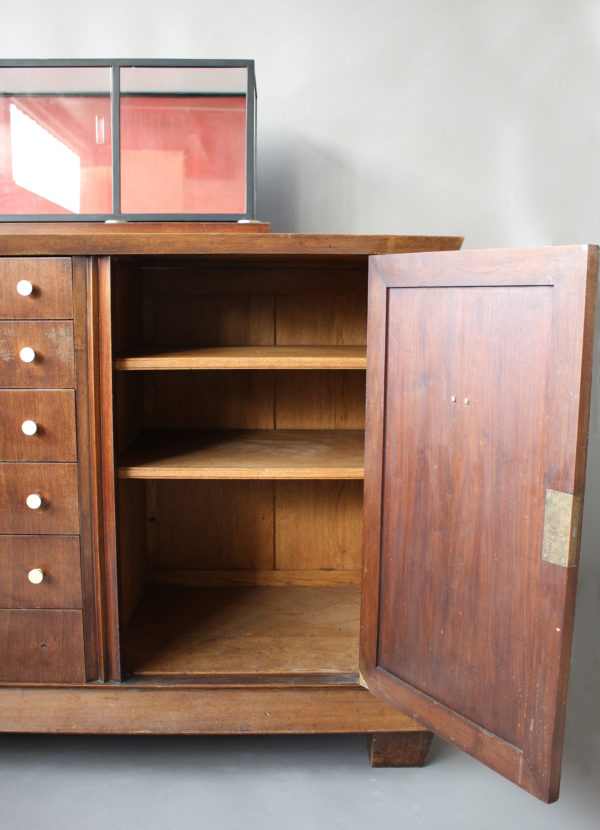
(55, 140)
(183, 140)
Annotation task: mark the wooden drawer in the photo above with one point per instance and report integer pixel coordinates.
(51, 413)
(57, 557)
(56, 484)
(51, 288)
(41, 646)
(52, 343)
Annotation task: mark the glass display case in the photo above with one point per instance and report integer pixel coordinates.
(127, 140)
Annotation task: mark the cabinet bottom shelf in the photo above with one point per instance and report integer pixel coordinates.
(248, 630)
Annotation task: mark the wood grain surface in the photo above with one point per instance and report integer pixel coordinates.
(251, 576)
(214, 525)
(477, 402)
(57, 486)
(320, 400)
(208, 400)
(53, 344)
(51, 298)
(245, 454)
(399, 749)
(52, 410)
(113, 240)
(41, 646)
(89, 448)
(244, 630)
(132, 709)
(245, 357)
(56, 556)
(78, 228)
(318, 525)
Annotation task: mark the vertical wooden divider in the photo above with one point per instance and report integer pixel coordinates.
(85, 332)
(108, 466)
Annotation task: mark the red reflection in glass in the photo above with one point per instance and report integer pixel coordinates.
(183, 154)
(52, 130)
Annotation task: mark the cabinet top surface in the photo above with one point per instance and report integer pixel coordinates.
(26, 239)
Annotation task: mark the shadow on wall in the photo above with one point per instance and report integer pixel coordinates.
(304, 187)
(582, 739)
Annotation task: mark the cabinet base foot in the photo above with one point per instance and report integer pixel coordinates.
(399, 749)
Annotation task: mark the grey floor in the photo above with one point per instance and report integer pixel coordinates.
(271, 782)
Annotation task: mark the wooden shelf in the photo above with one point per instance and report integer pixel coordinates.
(241, 631)
(245, 454)
(245, 357)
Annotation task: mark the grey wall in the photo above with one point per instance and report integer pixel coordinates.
(470, 117)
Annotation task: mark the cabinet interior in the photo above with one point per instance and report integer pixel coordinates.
(239, 396)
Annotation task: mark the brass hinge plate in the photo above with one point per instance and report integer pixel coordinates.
(562, 528)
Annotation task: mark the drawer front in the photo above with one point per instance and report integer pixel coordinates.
(41, 646)
(38, 425)
(48, 281)
(52, 365)
(55, 484)
(40, 572)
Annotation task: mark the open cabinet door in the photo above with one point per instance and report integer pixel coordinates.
(478, 389)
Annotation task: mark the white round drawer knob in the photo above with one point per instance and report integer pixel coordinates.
(27, 354)
(24, 288)
(29, 427)
(34, 501)
(36, 575)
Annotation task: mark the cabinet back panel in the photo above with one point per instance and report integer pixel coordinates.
(267, 276)
(257, 526)
(214, 320)
(239, 304)
(318, 525)
(307, 319)
(245, 399)
(321, 319)
(320, 399)
(215, 525)
(212, 400)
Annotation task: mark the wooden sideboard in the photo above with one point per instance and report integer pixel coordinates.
(182, 473)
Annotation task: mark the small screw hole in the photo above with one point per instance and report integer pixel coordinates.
(43, 646)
